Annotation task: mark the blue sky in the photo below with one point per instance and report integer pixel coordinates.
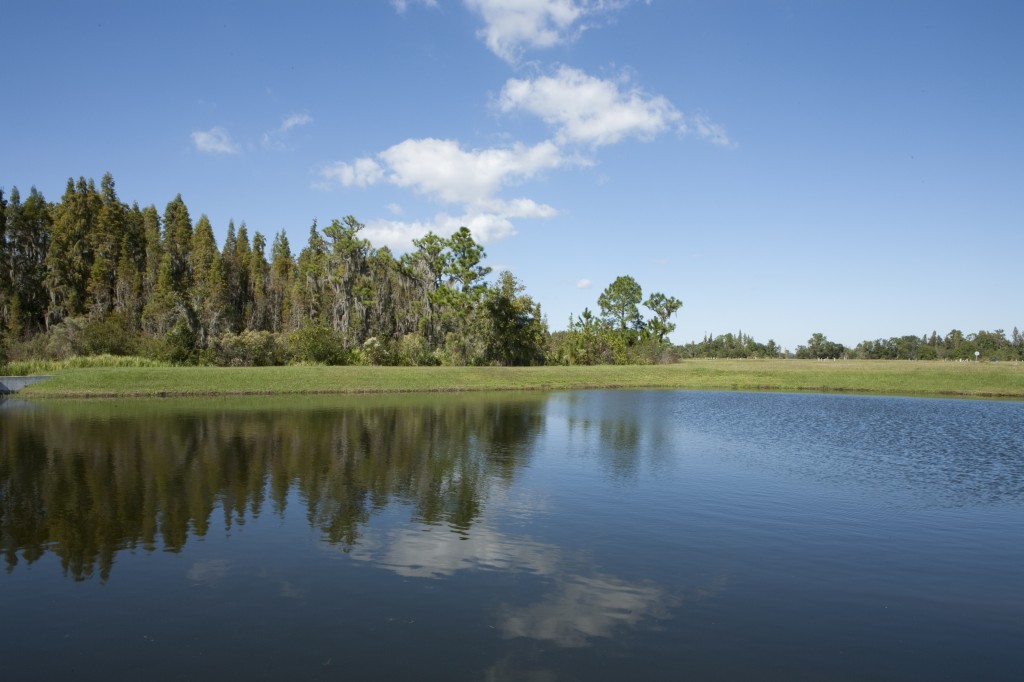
(854, 168)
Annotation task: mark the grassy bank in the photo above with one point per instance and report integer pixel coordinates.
(859, 376)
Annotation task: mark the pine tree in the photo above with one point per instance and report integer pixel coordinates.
(105, 242)
(208, 296)
(70, 258)
(177, 240)
(259, 274)
(28, 242)
(282, 271)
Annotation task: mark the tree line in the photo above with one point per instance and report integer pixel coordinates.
(956, 345)
(91, 275)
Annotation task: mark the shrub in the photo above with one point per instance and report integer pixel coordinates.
(179, 346)
(248, 349)
(110, 335)
(377, 352)
(413, 351)
(318, 343)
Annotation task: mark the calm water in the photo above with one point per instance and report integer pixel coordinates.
(573, 536)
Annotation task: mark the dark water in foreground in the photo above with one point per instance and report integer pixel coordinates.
(576, 536)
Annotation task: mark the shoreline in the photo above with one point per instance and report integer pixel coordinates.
(869, 377)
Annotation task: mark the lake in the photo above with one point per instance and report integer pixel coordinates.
(595, 535)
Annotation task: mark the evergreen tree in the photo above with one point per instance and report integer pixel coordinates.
(259, 274)
(154, 250)
(311, 283)
(177, 240)
(279, 286)
(517, 332)
(28, 242)
(106, 242)
(207, 296)
(70, 258)
(6, 291)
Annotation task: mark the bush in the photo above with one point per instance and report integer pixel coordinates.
(318, 343)
(110, 335)
(179, 346)
(377, 352)
(248, 349)
(413, 351)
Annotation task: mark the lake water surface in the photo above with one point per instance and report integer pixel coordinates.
(596, 535)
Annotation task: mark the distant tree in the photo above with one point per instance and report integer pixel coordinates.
(820, 348)
(620, 304)
(517, 333)
(663, 308)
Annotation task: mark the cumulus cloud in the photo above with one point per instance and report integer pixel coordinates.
(488, 224)
(360, 173)
(590, 110)
(594, 111)
(214, 141)
(448, 174)
(443, 170)
(512, 26)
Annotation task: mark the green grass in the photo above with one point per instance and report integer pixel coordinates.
(23, 368)
(1004, 380)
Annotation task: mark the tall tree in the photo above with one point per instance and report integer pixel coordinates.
(106, 241)
(517, 332)
(259, 274)
(154, 249)
(663, 308)
(279, 286)
(70, 258)
(28, 243)
(176, 242)
(311, 283)
(207, 296)
(620, 304)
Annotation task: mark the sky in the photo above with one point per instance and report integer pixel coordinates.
(783, 167)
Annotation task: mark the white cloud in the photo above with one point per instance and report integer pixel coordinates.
(394, 209)
(274, 139)
(487, 226)
(445, 172)
(701, 126)
(584, 283)
(442, 170)
(360, 173)
(590, 110)
(294, 121)
(214, 141)
(593, 111)
(402, 5)
(512, 26)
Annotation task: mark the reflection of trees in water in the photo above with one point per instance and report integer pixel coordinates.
(86, 487)
(624, 429)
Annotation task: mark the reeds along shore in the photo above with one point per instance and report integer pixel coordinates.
(883, 377)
